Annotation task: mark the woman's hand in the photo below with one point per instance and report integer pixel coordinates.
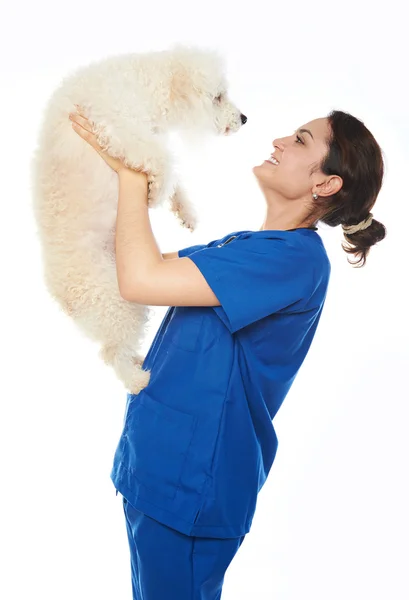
(84, 128)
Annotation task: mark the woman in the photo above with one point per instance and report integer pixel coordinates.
(198, 441)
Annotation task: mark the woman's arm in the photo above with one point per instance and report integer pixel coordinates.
(168, 255)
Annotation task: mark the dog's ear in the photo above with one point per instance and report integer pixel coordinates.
(182, 89)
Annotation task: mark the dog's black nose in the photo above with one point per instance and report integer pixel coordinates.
(243, 118)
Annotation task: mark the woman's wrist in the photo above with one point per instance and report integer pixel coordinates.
(133, 175)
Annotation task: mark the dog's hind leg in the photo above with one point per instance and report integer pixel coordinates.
(127, 364)
(116, 324)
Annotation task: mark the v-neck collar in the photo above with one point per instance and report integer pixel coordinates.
(266, 233)
(285, 230)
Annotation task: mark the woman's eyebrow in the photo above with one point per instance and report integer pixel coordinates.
(304, 130)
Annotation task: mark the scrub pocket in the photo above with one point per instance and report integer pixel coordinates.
(158, 442)
(185, 327)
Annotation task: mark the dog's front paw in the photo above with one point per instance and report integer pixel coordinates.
(154, 188)
(188, 219)
(183, 209)
(189, 225)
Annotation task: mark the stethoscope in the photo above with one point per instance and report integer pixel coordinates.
(227, 241)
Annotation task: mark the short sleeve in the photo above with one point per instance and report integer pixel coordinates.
(256, 277)
(190, 249)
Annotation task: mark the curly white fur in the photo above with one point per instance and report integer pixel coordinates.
(134, 101)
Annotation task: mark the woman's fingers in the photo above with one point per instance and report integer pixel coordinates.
(83, 127)
(83, 121)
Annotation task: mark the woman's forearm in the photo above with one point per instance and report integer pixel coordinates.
(137, 253)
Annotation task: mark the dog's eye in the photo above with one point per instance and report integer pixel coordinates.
(219, 98)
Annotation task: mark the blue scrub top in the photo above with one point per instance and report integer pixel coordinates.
(198, 441)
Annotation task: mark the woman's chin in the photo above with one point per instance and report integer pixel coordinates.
(258, 167)
(263, 171)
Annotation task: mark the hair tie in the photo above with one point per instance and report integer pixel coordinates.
(349, 229)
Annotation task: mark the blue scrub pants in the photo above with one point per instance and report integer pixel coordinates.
(169, 565)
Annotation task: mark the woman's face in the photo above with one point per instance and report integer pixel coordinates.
(297, 154)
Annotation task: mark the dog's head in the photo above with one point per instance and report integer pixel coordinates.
(198, 97)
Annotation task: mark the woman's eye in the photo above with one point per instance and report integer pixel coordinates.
(299, 139)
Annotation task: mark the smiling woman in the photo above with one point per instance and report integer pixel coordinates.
(243, 312)
(329, 170)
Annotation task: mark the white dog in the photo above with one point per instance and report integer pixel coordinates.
(133, 101)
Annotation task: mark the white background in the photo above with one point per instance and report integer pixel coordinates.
(332, 519)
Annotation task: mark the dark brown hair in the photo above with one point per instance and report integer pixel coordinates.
(356, 157)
